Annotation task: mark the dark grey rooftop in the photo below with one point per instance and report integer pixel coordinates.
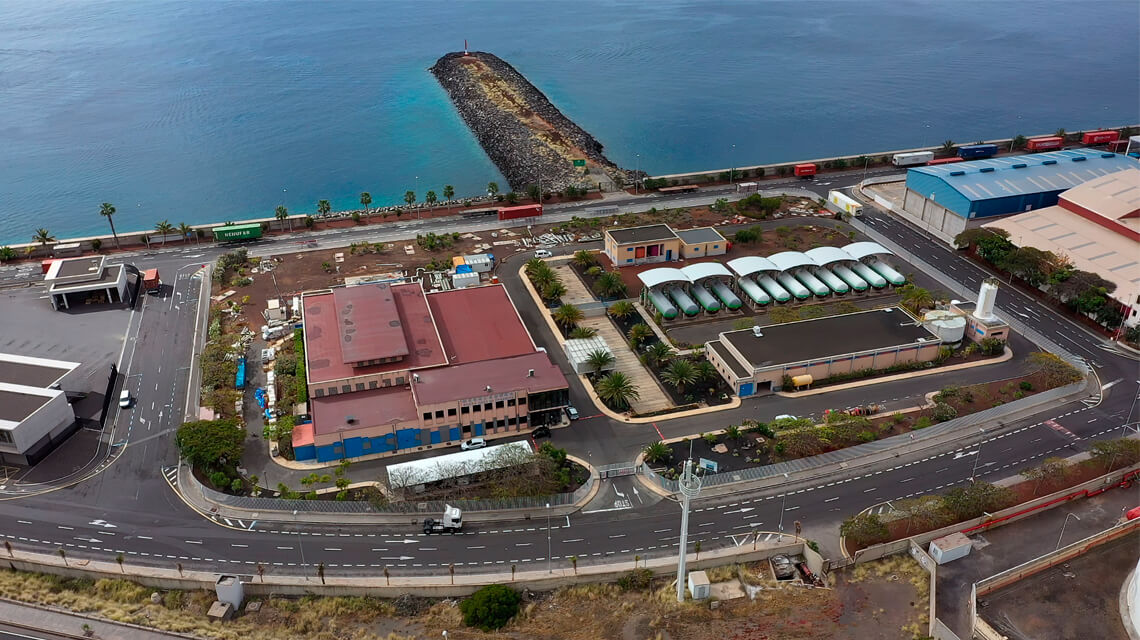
(703, 234)
(72, 267)
(728, 358)
(637, 235)
(109, 275)
(16, 406)
(827, 337)
(29, 375)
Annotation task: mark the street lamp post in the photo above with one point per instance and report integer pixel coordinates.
(548, 570)
(732, 170)
(637, 175)
(1067, 516)
(783, 503)
(690, 486)
(977, 456)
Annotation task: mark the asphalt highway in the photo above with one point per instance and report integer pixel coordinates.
(128, 508)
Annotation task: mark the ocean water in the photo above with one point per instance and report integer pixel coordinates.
(204, 110)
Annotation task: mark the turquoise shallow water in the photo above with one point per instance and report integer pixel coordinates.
(205, 111)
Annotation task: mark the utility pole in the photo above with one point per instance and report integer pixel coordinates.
(690, 486)
(548, 537)
(978, 456)
(783, 503)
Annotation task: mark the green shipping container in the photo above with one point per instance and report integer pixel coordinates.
(234, 232)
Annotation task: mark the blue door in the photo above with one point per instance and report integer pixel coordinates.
(747, 389)
(668, 255)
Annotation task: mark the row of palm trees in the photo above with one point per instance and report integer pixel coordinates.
(607, 284)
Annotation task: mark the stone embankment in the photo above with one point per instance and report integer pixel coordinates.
(527, 137)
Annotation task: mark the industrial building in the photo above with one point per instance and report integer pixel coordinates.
(35, 415)
(391, 369)
(947, 199)
(76, 281)
(784, 277)
(1097, 227)
(642, 245)
(756, 360)
(701, 242)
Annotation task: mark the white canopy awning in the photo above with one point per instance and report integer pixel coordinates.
(661, 275)
(705, 269)
(860, 250)
(826, 255)
(791, 259)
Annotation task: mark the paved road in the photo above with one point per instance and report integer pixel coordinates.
(130, 511)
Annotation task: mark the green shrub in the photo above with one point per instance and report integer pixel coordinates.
(922, 423)
(636, 580)
(1025, 385)
(219, 479)
(943, 412)
(490, 608)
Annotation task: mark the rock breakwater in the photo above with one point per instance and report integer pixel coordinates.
(527, 137)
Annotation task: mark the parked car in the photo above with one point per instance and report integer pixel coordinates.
(473, 443)
(571, 413)
(540, 432)
(782, 567)
(785, 416)
(125, 399)
(543, 253)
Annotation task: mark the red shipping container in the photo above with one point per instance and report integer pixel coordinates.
(945, 161)
(806, 169)
(1038, 144)
(524, 211)
(1099, 137)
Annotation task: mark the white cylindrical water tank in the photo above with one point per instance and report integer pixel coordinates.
(986, 297)
(947, 325)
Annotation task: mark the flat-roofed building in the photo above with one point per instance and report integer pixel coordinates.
(701, 242)
(392, 369)
(642, 245)
(75, 281)
(756, 360)
(35, 415)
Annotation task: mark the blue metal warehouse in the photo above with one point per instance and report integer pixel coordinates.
(1000, 186)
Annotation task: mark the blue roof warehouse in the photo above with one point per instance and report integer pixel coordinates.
(950, 197)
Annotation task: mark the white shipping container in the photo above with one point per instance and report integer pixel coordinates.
(480, 263)
(950, 548)
(911, 159)
(464, 280)
(844, 203)
(747, 187)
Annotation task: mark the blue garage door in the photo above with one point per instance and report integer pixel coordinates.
(747, 389)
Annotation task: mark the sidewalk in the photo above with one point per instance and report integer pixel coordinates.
(652, 397)
(38, 618)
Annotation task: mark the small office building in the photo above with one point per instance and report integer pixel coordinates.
(85, 280)
(756, 360)
(701, 242)
(35, 415)
(642, 245)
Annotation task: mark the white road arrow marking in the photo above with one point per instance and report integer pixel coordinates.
(397, 558)
(963, 454)
(409, 541)
(102, 523)
(741, 510)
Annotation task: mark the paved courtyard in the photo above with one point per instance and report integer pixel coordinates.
(652, 397)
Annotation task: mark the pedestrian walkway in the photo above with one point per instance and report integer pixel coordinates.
(653, 398)
(37, 619)
(576, 292)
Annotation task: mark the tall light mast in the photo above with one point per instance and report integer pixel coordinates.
(690, 486)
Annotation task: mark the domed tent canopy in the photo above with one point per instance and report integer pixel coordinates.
(703, 270)
(789, 260)
(657, 277)
(826, 255)
(749, 265)
(860, 250)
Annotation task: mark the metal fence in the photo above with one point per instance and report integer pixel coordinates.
(409, 507)
(617, 470)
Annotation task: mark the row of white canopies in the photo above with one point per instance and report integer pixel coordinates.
(790, 274)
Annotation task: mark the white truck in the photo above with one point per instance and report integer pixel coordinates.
(912, 159)
(452, 521)
(842, 203)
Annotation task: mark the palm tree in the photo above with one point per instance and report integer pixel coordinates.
(534, 193)
(543, 276)
(535, 264)
(107, 210)
(659, 352)
(657, 453)
(186, 230)
(7, 253)
(281, 213)
(599, 359)
(622, 309)
(1060, 133)
(584, 258)
(609, 285)
(948, 147)
(567, 316)
(365, 200)
(410, 197)
(324, 207)
(553, 291)
(706, 371)
(492, 188)
(915, 298)
(617, 389)
(580, 333)
(448, 192)
(43, 236)
(430, 197)
(164, 228)
(680, 373)
(638, 333)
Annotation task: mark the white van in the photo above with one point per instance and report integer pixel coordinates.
(543, 253)
(125, 399)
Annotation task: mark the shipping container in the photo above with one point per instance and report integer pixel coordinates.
(1099, 137)
(805, 170)
(1041, 144)
(975, 151)
(684, 188)
(747, 187)
(1118, 146)
(843, 203)
(912, 159)
(478, 213)
(944, 161)
(236, 232)
(524, 211)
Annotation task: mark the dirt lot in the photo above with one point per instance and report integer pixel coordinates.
(888, 598)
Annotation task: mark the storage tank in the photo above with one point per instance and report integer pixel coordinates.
(830, 279)
(802, 380)
(949, 326)
(791, 284)
(813, 283)
(885, 270)
(683, 301)
(868, 274)
(987, 294)
(662, 304)
(848, 276)
(710, 303)
(778, 293)
(725, 294)
(754, 291)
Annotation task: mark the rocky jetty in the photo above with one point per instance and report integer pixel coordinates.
(526, 136)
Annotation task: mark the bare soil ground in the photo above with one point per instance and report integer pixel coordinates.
(885, 599)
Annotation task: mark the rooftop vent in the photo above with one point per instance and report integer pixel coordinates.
(1049, 162)
(1079, 159)
(350, 419)
(530, 373)
(1020, 165)
(1108, 155)
(487, 388)
(415, 377)
(959, 172)
(986, 170)
(756, 331)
